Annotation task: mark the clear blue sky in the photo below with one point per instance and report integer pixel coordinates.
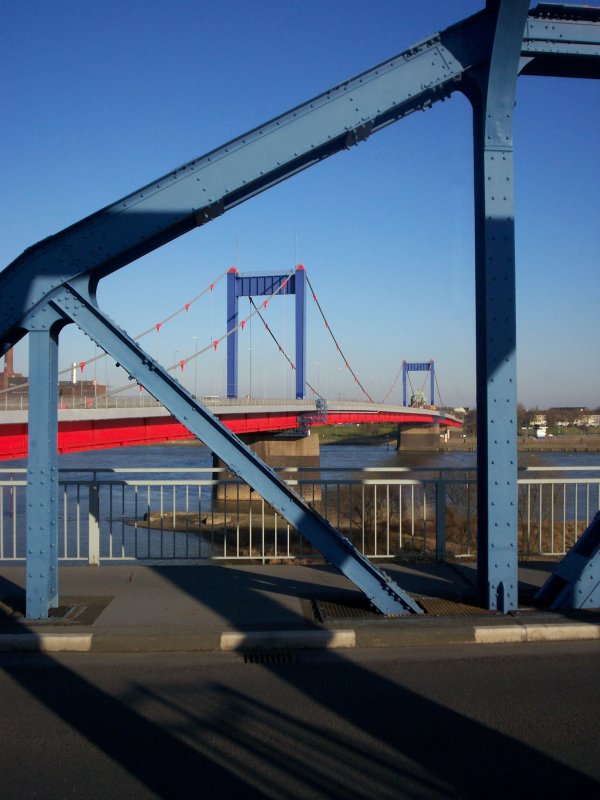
(99, 98)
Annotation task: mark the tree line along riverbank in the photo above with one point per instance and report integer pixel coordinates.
(580, 442)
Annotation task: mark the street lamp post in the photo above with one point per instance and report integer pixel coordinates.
(250, 374)
(95, 375)
(250, 353)
(195, 339)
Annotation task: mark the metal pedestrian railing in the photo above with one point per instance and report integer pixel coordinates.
(109, 515)
(10, 402)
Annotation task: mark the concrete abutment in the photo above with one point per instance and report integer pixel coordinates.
(280, 452)
(418, 437)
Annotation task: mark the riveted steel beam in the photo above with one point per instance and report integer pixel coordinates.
(202, 189)
(74, 305)
(575, 583)
(493, 99)
(562, 41)
(479, 51)
(41, 517)
(206, 187)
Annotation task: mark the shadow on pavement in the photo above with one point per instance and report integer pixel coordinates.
(12, 596)
(358, 734)
(151, 753)
(435, 580)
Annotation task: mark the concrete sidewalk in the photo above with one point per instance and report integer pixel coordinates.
(244, 607)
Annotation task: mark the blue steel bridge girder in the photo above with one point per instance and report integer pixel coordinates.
(575, 583)
(261, 285)
(491, 90)
(73, 303)
(206, 187)
(41, 516)
(478, 56)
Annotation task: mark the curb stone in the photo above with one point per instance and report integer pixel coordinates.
(46, 642)
(294, 640)
(536, 633)
(154, 641)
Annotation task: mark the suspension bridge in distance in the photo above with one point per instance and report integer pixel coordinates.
(97, 418)
(135, 422)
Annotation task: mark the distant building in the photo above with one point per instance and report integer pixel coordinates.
(588, 421)
(68, 391)
(537, 420)
(9, 378)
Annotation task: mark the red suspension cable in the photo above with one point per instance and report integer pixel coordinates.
(339, 349)
(280, 347)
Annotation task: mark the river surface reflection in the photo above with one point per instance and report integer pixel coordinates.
(127, 502)
(338, 456)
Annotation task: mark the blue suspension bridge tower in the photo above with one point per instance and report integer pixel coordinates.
(265, 285)
(418, 366)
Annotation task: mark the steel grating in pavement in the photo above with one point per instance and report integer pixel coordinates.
(359, 609)
(438, 607)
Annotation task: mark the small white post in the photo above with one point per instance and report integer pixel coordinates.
(94, 526)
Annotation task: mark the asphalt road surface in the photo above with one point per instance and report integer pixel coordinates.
(462, 722)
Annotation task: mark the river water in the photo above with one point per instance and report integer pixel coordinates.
(338, 456)
(120, 505)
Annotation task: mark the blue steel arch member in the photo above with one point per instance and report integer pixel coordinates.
(54, 282)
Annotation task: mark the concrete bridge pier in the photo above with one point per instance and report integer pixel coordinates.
(418, 437)
(276, 451)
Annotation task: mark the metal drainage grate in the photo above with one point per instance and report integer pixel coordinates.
(438, 607)
(359, 609)
(330, 610)
(270, 657)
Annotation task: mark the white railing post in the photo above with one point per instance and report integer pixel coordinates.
(440, 520)
(94, 525)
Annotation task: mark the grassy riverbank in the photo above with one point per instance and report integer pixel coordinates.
(366, 433)
(373, 434)
(380, 434)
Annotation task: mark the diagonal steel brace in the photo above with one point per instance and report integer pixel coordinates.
(77, 306)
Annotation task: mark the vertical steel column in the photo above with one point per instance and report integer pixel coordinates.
(232, 340)
(404, 373)
(493, 107)
(300, 291)
(42, 474)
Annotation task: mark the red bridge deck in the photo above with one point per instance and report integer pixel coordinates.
(96, 429)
